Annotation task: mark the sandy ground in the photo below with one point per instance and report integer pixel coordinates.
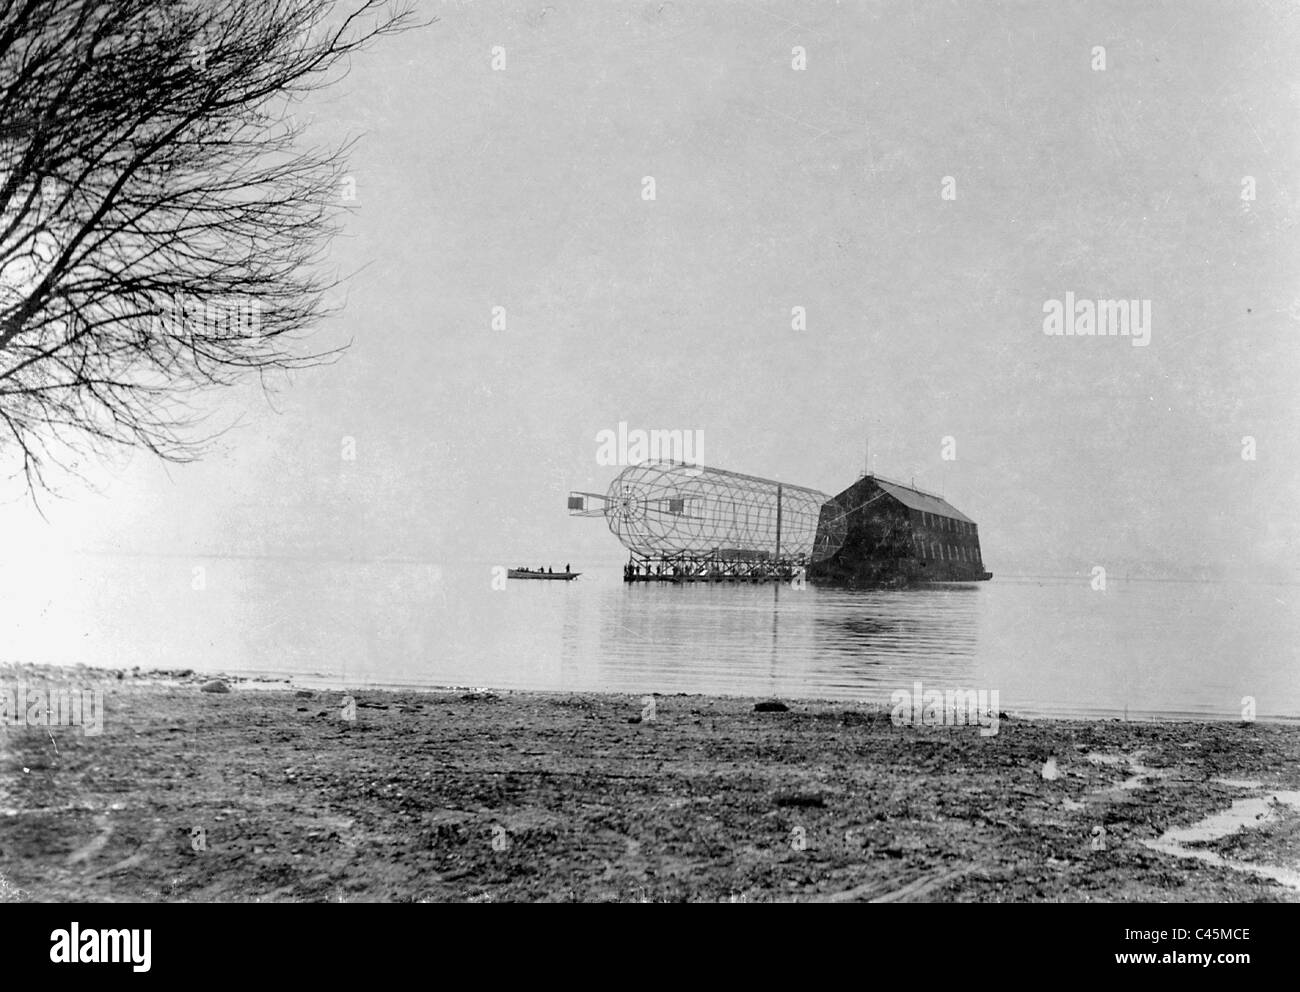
(270, 793)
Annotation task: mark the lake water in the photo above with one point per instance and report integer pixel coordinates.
(1051, 646)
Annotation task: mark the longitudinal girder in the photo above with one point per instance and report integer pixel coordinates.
(670, 508)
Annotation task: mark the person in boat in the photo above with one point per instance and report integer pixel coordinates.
(549, 570)
(566, 568)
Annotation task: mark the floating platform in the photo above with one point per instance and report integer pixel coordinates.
(728, 565)
(731, 579)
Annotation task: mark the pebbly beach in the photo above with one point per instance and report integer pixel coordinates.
(199, 787)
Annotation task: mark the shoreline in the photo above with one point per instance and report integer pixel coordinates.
(256, 680)
(471, 795)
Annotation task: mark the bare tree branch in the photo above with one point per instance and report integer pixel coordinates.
(161, 229)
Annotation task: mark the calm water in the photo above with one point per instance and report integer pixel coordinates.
(1049, 646)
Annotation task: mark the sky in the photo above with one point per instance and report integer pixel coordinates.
(774, 188)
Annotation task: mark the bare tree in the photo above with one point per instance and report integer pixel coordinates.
(161, 229)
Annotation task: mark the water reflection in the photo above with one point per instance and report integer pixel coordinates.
(1050, 647)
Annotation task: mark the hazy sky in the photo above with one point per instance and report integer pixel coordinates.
(777, 188)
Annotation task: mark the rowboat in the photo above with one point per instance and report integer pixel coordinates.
(528, 573)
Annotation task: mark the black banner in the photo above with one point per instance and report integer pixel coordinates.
(143, 943)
